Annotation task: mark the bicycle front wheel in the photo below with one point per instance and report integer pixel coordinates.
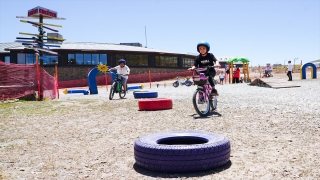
(175, 84)
(122, 92)
(188, 83)
(200, 104)
(112, 90)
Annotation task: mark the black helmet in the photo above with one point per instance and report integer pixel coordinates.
(203, 43)
(122, 61)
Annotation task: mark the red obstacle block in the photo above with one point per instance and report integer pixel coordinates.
(155, 104)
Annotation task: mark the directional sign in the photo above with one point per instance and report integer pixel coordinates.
(39, 44)
(50, 37)
(35, 38)
(40, 23)
(39, 49)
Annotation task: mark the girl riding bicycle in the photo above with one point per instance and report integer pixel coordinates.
(205, 59)
(123, 71)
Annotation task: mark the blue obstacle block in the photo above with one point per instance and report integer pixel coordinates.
(134, 87)
(74, 91)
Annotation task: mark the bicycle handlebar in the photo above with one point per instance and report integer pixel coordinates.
(202, 69)
(117, 73)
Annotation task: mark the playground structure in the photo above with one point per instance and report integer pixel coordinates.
(245, 66)
(37, 44)
(92, 83)
(275, 83)
(303, 72)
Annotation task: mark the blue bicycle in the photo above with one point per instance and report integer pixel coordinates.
(202, 99)
(117, 86)
(186, 82)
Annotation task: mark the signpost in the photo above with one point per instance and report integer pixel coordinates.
(38, 45)
(38, 11)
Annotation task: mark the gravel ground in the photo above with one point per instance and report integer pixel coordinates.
(274, 133)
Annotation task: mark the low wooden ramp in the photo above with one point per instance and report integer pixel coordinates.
(273, 82)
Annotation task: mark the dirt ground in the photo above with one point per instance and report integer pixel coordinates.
(274, 133)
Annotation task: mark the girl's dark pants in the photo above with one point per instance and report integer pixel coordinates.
(289, 74)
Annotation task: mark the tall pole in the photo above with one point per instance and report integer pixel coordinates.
(145, 34)
(41, 32)
(150, 79)
(38, 74)
(57, 81)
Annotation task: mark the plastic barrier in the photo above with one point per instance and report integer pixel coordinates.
(135, 87)
(313, 71)
(85, 92)
(142, 94)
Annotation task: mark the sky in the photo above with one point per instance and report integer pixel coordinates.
(263, 31)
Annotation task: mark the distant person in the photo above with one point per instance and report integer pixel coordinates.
(123, 72)
(236, 76)
(268, 69)
(221, 77)
(227, 69)
(289, 69)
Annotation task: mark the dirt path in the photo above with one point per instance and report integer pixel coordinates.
(274, 133)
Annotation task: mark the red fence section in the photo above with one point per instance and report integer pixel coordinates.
(134, 78)
(17, 80)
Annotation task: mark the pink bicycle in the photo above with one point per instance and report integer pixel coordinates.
(202, 99)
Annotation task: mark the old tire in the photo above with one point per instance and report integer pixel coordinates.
(142, 94)
(182, 151)
(140, 90)
(154, 104)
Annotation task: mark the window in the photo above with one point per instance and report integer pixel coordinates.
(21, 58)
(7, 59)
(79, 59)
(103, 58)
(188, 62)
(166, 61)
(95, 59)
(134, 59)
(71, 59)
(47, 59)
(30, 58)
(87, 58)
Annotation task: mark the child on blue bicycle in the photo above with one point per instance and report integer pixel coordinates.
(123, 72)
(205, 59)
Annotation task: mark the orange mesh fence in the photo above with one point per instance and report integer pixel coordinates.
(17, 80)
(134, 78)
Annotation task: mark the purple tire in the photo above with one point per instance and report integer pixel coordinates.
(182, 151)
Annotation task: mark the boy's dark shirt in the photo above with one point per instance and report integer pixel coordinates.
(204, 61)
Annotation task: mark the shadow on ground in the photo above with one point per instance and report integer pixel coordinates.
(154, 174)
(211, 114)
